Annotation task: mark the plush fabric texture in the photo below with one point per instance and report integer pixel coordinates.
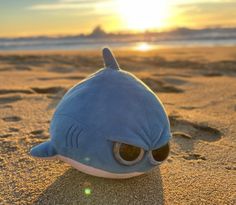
(111, 105)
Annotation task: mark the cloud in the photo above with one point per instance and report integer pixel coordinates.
(206, 14)
(67, 5)
(80, 4)
(78, 1)
(59, 6)
(208, 6)
(186, 2)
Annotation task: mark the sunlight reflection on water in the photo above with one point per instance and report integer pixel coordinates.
(143, 47)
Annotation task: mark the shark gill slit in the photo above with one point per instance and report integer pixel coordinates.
(67, 136)
(72, 136)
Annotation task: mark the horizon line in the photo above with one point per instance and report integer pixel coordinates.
(121, 32)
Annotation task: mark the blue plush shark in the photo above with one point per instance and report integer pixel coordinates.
(109, 125)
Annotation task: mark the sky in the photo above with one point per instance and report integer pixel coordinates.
(69, 17)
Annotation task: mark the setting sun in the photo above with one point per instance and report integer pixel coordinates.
(144, 14)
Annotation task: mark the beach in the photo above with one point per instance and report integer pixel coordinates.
(198, 89)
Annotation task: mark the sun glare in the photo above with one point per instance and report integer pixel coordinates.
(143, 14)
(143, 47)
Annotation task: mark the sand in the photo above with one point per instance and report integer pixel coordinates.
(198, 89)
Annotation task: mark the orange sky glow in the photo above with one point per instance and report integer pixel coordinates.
(63, 17)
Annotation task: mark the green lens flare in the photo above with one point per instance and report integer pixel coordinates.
(87, 191)
(86, 159)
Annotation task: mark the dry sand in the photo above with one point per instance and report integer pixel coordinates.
(198, 89)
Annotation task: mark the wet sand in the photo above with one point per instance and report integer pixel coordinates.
(198, 89)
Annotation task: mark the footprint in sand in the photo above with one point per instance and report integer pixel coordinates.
(160, 86)
(212, 74)
(13, 129)
(5, 135)
(10, 99)
(60, 69)
(196, 131)
(173, 74)
(12, 119)
(54, 93)
(188, 107)
(186, 134)
(194, 157)
(48, 90)
(6, 107)
(39, 134)
(174, 81)
(16, 68)
(63, 78)
(10, 91)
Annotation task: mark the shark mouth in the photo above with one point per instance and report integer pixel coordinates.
(96, 172)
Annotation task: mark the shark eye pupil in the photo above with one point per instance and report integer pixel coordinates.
(127, 154)
(161, 153)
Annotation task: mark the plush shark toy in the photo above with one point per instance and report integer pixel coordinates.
(109, 125)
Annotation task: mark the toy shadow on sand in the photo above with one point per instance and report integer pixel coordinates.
(70, 188)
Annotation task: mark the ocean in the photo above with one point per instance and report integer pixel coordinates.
(46, 44)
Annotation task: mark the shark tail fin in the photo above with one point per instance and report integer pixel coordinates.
(44, 150)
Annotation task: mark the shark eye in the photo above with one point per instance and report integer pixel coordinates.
(157, 156)
(127, 154)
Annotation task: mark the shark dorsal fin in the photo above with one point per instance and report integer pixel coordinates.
(109, 59)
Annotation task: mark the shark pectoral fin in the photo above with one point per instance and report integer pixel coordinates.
(44, 150)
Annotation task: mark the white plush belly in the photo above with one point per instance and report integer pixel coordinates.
(96, 172)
